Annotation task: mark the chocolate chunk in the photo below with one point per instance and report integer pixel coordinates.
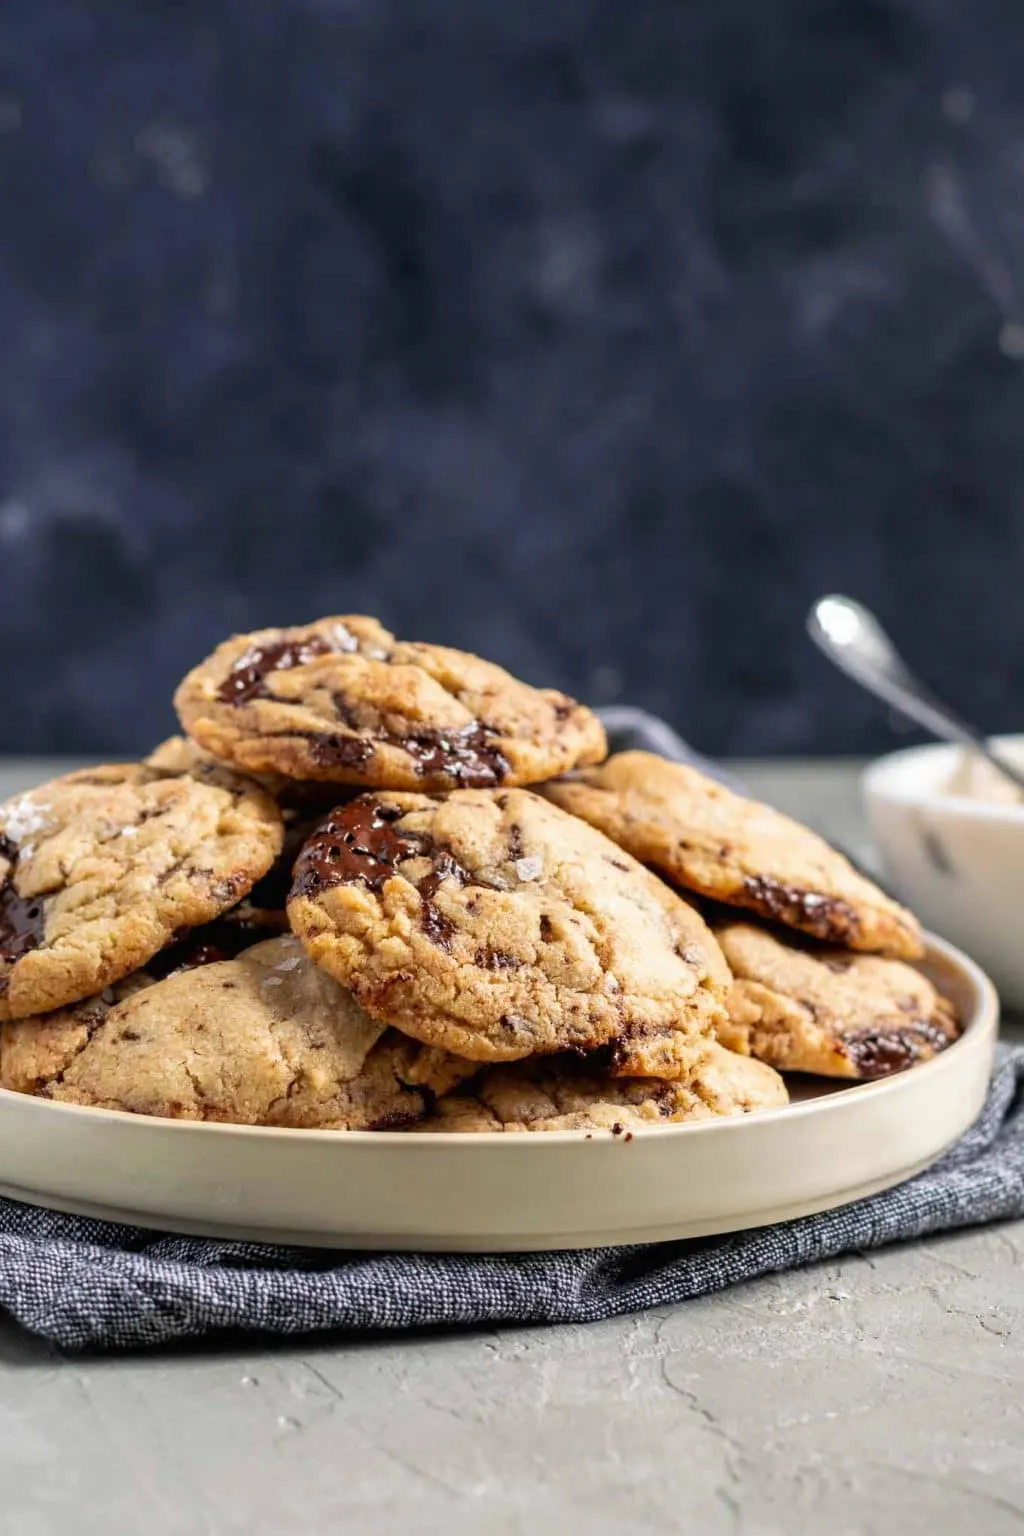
(172, 870)
(436, 926)
(22, 921)
(222, 939)
(825, 916)
(186, 956)
(496, 960)
(357, 843)
(92, 1016)
(270, 893)
(247, 678)
(468, 758)
(344, 711)
(395, 1120)
(882, 1052)
(446, 867)
(333, 751)
(8, 850)
(515, 842)
(603, 1059)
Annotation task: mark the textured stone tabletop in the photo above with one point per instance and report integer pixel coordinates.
(880, 1394)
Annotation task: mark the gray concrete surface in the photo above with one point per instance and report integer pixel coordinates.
(882, 1395)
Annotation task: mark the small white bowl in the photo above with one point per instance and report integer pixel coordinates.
(955, 860)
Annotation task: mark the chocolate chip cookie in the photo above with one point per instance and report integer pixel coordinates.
(295, 798)
(38, 1047)
(264, 1039)
(810, 1009)
(101, 869)
(494, 926)
(557, 1095)
(703, 837)
(301, 802)
(342, 700)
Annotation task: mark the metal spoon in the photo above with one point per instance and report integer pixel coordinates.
(851, 637)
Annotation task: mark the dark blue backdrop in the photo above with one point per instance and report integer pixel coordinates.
(595, 336)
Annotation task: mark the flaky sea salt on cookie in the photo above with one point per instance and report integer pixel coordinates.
(100, 869)
(342, 700)
(495, 926)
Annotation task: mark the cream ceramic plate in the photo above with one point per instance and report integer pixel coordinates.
(495, 1191)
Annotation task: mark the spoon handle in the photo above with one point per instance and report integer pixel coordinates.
(851, 637)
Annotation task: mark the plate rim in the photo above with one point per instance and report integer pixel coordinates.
(982, 1027)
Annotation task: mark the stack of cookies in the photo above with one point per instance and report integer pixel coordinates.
(382, 885)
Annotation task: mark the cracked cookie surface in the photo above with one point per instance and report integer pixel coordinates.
(38, 1047)
(264, 1039)
(829, 1011)
(295, 798)
(494, 926)
(302, 805)
(709, 840)
(555, 1095)
(342, 700)
(101, 869)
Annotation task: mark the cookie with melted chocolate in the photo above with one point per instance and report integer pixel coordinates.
(102, 869)
(806, 1008)
(558, 1095)
(705, 838)
(342, 701)
(296, 798)
(494, 926)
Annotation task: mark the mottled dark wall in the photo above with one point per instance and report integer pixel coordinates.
(595, 336)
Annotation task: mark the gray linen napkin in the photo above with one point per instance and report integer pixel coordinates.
(94, 1284)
